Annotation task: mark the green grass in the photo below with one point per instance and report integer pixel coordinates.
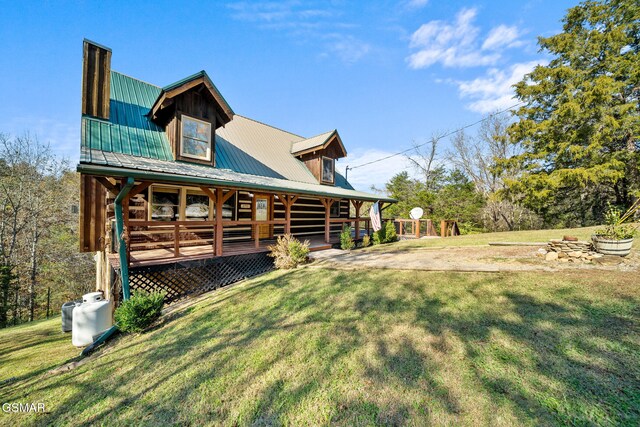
(33, 348)
(507, 236)
(380, 347)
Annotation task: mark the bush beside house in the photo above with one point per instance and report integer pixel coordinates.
(139, 312)
(289, 252)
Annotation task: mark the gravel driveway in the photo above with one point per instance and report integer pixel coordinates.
(469, 258)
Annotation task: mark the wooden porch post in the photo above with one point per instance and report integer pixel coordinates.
(221, 198)
(287, 201)
(357, 204)
(327, 218)
(287, 215)
(219, 230)
(417, 226)
(211, 196)
(443, 228)
(256, 237)
(125, 215)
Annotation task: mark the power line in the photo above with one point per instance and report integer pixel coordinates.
(437, 139)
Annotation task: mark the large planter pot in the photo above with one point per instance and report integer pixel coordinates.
(611, 246)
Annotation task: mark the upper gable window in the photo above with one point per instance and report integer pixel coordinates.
(195, 141)
(328, 167)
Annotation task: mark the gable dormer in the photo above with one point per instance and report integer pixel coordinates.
(319, 154)
(190, 110)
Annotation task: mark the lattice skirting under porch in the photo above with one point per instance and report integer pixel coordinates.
(181, 279)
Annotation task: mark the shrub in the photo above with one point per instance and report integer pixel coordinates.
(288, 252)
(386, 234)
(615, 227)
(366, 241)
(467, 228)
(378, 236)
(139, 311)
(390, 234)
(346, 241)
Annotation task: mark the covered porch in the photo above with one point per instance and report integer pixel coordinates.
(139, 258)
(159, 226)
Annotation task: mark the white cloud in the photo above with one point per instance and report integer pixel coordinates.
(417, 4)
(501, 36)
(319, 26)
(457, 44)
(347, 48)
(269, 12)
(494, 91)
(376, 174)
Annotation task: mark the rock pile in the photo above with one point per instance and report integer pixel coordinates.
(569, 251)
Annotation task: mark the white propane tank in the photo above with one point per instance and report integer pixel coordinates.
(90, 319)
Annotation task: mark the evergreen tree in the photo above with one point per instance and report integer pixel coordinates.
(580, 124)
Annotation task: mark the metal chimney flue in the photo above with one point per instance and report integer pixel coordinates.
(96, 80)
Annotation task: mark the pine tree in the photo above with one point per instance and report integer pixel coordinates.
(580, 124)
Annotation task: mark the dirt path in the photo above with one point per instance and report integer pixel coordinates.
(470, 258)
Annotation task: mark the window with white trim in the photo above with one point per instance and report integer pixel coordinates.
(195, 139)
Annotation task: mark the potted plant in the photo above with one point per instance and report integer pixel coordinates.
(616, 237)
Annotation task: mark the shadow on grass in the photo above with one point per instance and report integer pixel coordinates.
(266, 352)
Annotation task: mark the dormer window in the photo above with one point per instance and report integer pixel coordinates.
(319, 153)
(328, 168)
(190, 111)
(195, 141)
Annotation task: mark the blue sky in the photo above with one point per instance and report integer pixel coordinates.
(386, 74)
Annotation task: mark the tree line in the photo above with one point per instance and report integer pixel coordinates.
(570, 150)
(40, 264)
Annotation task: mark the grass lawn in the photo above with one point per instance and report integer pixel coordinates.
(507, 236)
(315, 346)
(32, 349)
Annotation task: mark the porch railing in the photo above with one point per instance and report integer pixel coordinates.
(181, 234)
(361, 225)
(414, 228)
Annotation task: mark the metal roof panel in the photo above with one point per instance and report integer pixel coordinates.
(244, 148)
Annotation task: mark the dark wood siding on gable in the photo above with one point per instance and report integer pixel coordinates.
(314, 164)
(96, 80)
(199, 106)
(313, 160)
(93, 212)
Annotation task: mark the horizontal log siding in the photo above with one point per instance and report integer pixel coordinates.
(307, 218)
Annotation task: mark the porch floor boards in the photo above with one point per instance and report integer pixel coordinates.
(147, 257)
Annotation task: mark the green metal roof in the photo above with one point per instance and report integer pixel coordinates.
(125, 165)
(248, 153)
(128, 130)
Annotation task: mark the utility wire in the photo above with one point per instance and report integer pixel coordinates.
(438, 138)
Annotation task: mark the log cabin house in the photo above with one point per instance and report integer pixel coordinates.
(179, 193)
